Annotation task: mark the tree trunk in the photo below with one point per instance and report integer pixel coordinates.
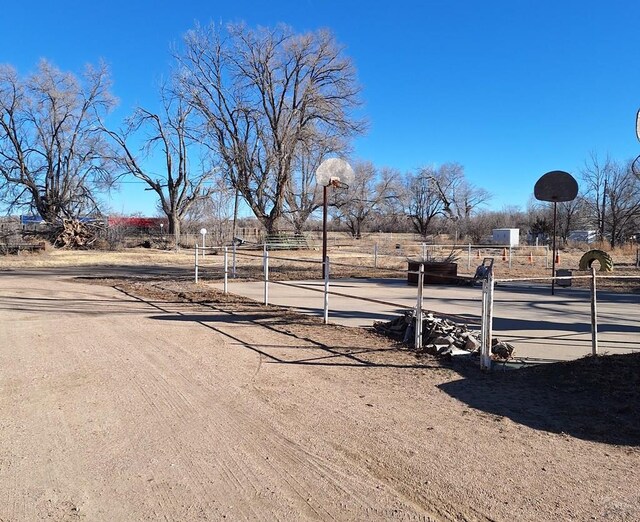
(174, 227)
(297, 228)
(270, 225)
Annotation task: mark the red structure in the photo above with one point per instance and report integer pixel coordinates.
(139, 223)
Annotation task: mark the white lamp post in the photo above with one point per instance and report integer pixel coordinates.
(203, 231)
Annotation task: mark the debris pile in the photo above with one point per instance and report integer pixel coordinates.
(440, 336)
(75, 234)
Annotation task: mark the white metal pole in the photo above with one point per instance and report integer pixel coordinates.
(266, 277)
(469, 257)
(418, 322)
(226, 270)
(509, 256)
(326, 290)
(196, 262)
(487, 322)
(594, 314)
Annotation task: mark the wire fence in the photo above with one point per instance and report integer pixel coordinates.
(504, 306)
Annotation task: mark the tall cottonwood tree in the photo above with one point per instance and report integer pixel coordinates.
(185, 175)
(265, 96)
(54, 157)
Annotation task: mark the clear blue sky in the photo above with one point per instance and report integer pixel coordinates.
(510, 89)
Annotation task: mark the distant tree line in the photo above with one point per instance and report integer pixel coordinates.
(248, 115)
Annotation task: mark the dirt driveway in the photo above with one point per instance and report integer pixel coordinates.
(118, 407)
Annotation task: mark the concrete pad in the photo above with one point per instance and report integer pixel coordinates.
(540, 325)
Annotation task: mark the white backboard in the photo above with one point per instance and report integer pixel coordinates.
(334, 170)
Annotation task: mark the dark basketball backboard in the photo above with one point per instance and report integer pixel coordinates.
(556, 186)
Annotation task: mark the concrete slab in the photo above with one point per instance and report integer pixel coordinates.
(540, 325)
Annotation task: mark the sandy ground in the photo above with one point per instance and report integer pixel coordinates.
(148, 401)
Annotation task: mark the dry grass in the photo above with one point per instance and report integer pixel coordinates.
(61, 258)
(349, 258)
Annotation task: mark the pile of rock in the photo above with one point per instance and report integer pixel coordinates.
(440, 336)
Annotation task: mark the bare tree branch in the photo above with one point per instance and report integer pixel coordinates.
(181, 183)
(265, 97)
(53, 156)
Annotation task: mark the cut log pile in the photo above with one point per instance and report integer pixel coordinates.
(75, 234)
(440, 336)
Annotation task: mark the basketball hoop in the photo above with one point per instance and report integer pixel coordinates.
(556, 186)
(336, 173)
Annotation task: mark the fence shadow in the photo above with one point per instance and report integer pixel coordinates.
(596, 399)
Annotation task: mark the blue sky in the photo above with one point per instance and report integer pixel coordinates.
(509, 89)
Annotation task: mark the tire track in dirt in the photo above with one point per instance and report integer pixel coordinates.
(166, 389)
(290, 453)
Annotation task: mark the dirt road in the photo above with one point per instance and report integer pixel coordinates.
(117, 408)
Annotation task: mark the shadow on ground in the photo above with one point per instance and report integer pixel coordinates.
(595, 399)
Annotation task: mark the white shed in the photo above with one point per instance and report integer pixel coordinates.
(506, 236)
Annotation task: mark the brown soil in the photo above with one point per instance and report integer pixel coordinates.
(145, 398)
(586, 398)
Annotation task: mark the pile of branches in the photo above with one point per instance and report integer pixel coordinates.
(440, 336)
(72, 233)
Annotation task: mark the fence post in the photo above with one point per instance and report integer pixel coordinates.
(375, 255)
(546, 256)
(196, 263)
(326, 290)
(487, 321)
(226, 270)
(418, 324)
(510, 249)
(469, 258)
(233, 261)
(265, 264)
(594, 314)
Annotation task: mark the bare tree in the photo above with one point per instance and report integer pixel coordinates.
(480, 226)
(422, 202)
(53, 156)
(186, 173)
(612, 195)
(303, 196)
(570, 214)
(368, 194)
(623, 211)
(214, 212)
(265, 96)
(442, 191)
(595, 176)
